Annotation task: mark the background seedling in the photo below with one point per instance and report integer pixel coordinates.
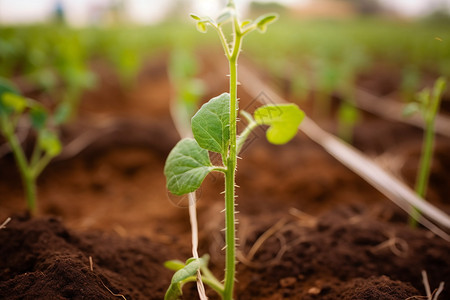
(13, 107)
(427, 103)
(214, 129)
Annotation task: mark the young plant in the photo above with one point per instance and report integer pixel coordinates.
(12, 108)
(427, 103)
(214, 129)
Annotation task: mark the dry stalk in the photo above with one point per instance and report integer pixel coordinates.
(426, 284)
(3, 226)
(397, 246)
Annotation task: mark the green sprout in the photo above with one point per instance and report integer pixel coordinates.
(214, 129)
(427, 103)
(13, 107)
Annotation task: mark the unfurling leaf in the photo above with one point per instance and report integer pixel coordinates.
(186, 167)
(174, 291)
(201, 26)
(195, 17)
(174, 265)
(282, 119)
(264, 20)
(211, 124)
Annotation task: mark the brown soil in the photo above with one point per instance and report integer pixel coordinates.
(332, 236)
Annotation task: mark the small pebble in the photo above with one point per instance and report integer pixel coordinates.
(314, 291)
(288, 281)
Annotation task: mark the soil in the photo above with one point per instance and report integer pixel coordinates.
(107, 224)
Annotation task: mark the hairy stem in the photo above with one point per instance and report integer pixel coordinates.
(230, 221)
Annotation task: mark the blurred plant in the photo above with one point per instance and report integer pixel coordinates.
(410, 80)
(427, 104)
(348, 116)
(13, 107)
(188, 90)
(214, 129)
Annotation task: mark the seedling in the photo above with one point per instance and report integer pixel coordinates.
(13, 107)
(214, 129)
(427, 104)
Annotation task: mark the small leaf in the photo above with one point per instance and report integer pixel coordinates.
(195, 17)
(186, 167)
(49, 142)
(174, 291)
(211, 124)
(245, 23)
(12, 103)
(410, 109)
(282, 119)
(264, 20)
(224, 16)
(201, 26)
(38, 116)
(174, 265)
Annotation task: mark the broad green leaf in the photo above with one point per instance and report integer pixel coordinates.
(186, 167)
(282, 119)
(264, 20)
(211, 124)
(49, 142)
(174, 291)
(38, 115)
(12, 103)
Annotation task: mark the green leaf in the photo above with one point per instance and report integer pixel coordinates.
(174, 291)
(245, 23)
(211, 124)
(12, 103)
(201, 26)
(410, 109)
(195, 17)
(38, 115)
(282, 119)
(264, 20)
(7, 87)
(186, 167)
(224, 16)
(174, 264)
(49, 142)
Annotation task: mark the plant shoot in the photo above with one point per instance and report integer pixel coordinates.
(214, 130)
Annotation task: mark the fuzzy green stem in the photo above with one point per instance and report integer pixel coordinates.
(230, 221)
